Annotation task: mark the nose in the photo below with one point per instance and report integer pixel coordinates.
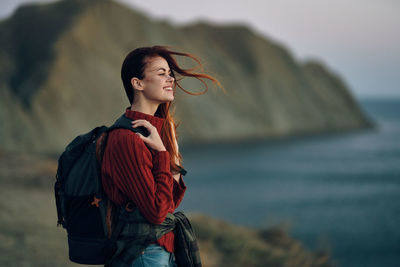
(170, 77)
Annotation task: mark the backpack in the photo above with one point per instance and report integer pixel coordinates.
(82, 205)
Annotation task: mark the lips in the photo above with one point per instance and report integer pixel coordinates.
(168, 88)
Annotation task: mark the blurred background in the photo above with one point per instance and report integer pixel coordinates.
(298, 165)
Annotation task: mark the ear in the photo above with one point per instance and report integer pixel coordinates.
(137, 84)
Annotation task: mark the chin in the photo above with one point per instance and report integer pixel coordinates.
(168, 100)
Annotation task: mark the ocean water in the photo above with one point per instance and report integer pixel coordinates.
(337, 192)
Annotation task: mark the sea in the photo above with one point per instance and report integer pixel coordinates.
(338, 193)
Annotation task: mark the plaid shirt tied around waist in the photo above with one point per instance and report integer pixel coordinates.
(137, 233)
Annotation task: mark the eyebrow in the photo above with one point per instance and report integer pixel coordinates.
(163, 69)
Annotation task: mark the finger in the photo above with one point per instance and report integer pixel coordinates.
(150, 127)
(136, 121)
(140, 123)
(141, 136)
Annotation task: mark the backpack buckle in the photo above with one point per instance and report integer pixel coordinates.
(129, 207)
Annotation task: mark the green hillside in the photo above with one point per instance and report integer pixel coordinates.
(60, 76)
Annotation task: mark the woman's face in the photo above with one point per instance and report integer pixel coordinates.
(157, 84)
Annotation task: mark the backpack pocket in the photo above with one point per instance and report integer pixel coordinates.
(84, 218)
(89, 250)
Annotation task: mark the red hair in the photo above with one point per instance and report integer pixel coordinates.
(134, 65)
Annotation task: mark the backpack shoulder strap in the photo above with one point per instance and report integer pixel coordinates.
(125, 123)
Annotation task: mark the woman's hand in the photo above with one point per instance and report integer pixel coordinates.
(154, 139)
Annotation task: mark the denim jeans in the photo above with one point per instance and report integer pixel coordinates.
(155, 256)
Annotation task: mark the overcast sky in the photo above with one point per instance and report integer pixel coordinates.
(357, 39)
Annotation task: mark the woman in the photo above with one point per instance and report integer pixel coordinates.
(146, 170)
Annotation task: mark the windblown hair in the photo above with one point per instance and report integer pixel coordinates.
(134, 66)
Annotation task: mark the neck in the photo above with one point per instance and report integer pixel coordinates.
(148, 109)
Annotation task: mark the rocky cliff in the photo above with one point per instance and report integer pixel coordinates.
(60, 76)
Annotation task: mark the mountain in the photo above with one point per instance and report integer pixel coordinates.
(60, 76)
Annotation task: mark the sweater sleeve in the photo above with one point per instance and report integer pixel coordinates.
(144, 178)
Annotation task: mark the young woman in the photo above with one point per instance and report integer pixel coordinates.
(143, 170)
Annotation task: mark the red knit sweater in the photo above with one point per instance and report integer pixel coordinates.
(130, 171)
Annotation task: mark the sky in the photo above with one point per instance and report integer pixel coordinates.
(359, 40)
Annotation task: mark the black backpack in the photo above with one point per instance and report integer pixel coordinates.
(82, 205)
